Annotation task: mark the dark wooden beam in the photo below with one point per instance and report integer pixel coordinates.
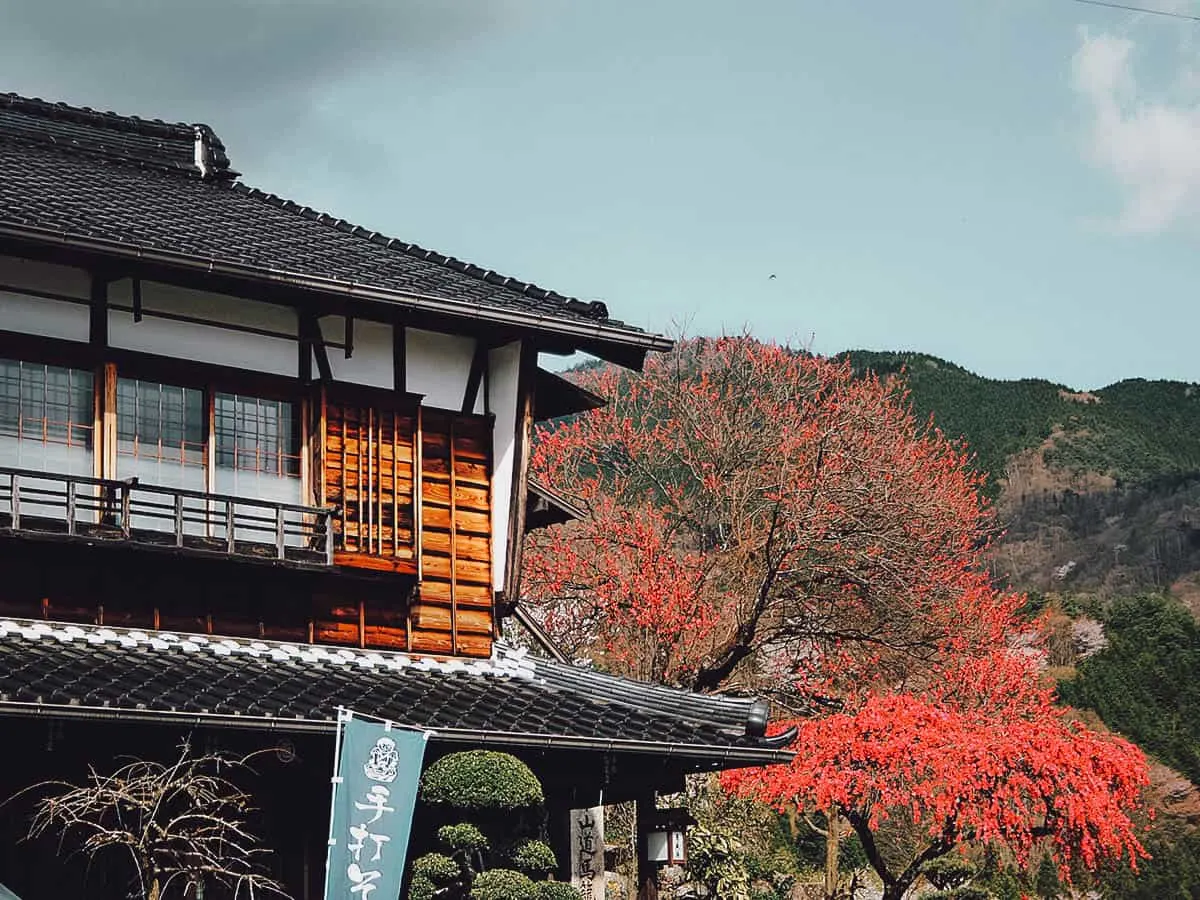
(349, 335)
(475, 378)
(304, 362)
(399, 359)
(137, 299)
(310, 330)
(98, 326)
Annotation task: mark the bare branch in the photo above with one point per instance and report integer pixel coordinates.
(184, 821)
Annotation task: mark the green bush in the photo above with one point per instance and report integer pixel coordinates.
(717, 862)
(1046, 882)
(503, 884)
(947, 872)
(557, 890)
(421, 888)
(481, 780)
(958, 893)
(437, 867)
(463, 838)
(534, 858)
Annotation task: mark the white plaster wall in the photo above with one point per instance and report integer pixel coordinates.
(504, 364)
(65, 280)
(204, 343)
(36, 315)
(438, 366)
(372, 362)
(47, 318)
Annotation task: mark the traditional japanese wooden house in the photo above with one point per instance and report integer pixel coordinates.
(257, 462)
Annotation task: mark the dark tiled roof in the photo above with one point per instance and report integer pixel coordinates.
(512, 698)
(134, 183)
(148, 142)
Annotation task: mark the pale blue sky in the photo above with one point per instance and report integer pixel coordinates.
(1011, 184)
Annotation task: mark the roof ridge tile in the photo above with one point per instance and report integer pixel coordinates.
(78, 118)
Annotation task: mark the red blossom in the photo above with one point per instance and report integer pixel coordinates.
(763, 518)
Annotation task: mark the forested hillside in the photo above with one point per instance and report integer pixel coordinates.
(1097, 491)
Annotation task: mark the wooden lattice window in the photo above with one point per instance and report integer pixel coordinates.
(160, 433)
(257, 447)
(368, 466)
(47, 416)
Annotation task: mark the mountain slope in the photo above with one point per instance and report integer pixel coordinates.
(1098, 491)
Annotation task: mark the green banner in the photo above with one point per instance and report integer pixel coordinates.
(374, 793)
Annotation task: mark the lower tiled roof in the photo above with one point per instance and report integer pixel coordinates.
(512, 699)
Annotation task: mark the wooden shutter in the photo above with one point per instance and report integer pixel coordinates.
(368, 474)
(453, 613)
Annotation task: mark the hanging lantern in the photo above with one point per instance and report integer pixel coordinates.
(665, 833)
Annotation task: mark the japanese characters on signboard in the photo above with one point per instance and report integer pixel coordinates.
(587, 852)
(375, 792)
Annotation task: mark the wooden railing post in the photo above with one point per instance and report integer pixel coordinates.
(126, 506)
(71, 506)
(16, 503)
(279, 548)
(179, 520)
(230, 528)
(327, 516)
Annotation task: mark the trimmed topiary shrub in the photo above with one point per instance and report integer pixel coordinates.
(947, 872)
(534, 858)
(463, 838)
(490, 808)
(421, 888)
(557, 890)
(503, 884)
(481, 780)
(437, 868)
(958, 893)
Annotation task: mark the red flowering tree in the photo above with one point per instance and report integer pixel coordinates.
(982, 757)
(756, 515)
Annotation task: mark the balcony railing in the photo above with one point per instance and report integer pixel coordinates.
(50, 504)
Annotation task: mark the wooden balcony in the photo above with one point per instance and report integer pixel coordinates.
(56, 506)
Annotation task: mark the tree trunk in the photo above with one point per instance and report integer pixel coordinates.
(155, 889)
(894, 891)
(832, 837)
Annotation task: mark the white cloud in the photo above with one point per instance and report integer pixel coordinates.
(1151, 146)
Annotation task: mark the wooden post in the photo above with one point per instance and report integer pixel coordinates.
(526, 378)
(108, 462)
(647, 872)
(451, 439)
(70, 506)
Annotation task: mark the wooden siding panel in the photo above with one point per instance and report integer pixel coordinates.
(454, 610)
(378, 466)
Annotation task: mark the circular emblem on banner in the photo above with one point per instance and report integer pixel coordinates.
(384, 761)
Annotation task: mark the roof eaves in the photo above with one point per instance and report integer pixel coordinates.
(554, 498)
(746, 756)
(581, 329)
